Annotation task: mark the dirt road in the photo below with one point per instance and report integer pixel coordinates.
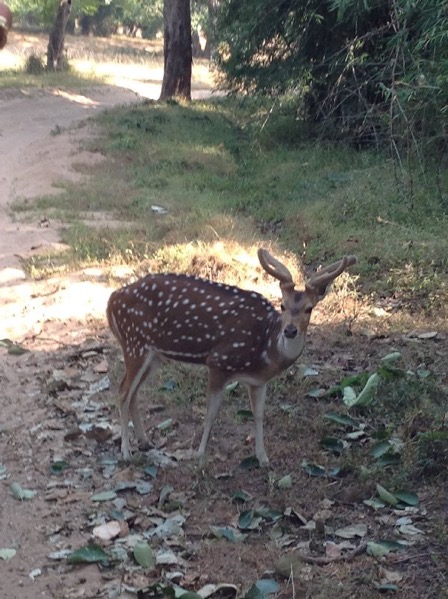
(34, 158)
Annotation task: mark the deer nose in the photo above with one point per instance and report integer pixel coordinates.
(290, 331)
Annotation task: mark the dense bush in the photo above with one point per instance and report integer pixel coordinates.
(369, 71)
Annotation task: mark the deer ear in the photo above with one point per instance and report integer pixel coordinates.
(317, 292)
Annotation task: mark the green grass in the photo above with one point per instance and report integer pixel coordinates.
(14, 78)
(222, 171)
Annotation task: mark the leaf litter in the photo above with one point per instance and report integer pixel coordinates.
(133, 523)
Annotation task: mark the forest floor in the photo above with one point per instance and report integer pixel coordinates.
(59, 438)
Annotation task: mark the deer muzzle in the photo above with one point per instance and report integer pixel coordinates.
(290, 331)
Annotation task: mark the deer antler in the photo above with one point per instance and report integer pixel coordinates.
(329, 273)
(276, 269)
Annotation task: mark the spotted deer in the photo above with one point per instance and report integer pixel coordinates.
(237, 334)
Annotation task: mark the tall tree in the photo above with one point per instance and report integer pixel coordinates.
(177, 49)
(55, 50)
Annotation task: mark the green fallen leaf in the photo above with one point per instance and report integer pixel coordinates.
(242, 496)
(317, 470)
(144, 555)
(367, 394)
(59, 466)
(390, 459)
(228, 533)
(104, 496)
(377, 549)
(355, 435)
(374, 503)
(391, 358)
(150, 471)
(385, 587)
(352, 531)
(244, 415)
(407, 498)
(310, 372)
(349, 396)
(380, 449)
(13, 348)
(168, 385)
(381, 548)
(341, 419)
(143, 487)
(6, 554)
(355, 380)
(165, 425)
(423, 373)
(315, 393)
(232, 386)
(332, 444)
(249, 520)
(262, 589)
(87, 555)
(21, 494)
(285, 482)
(268, 513)
(386, 495)
(249, 463)
(3, 472)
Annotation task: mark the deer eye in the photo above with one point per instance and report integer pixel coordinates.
(282, 307)
(308, 310)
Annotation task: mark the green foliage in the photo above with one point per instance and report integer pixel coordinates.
(104, 17)
(42, 12)
(432, 452)
(370, 72)
(400, 435)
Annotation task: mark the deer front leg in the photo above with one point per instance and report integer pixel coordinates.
(215, 393)
(257, 396)
(136, 373)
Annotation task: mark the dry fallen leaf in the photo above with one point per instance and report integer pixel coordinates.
(389, 576)
(102, 367)
(108, 531)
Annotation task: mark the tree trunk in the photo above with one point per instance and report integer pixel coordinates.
(55, 50)
(177, 49)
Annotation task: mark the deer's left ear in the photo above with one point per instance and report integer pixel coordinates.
(318, 291)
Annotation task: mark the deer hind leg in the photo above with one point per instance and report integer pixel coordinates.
(257, 396)
(215, 393)
(136, 373)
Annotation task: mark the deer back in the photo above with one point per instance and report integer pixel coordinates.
(194, 320)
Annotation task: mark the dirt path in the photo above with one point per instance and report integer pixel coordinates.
(42, 315)
(33, 158)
